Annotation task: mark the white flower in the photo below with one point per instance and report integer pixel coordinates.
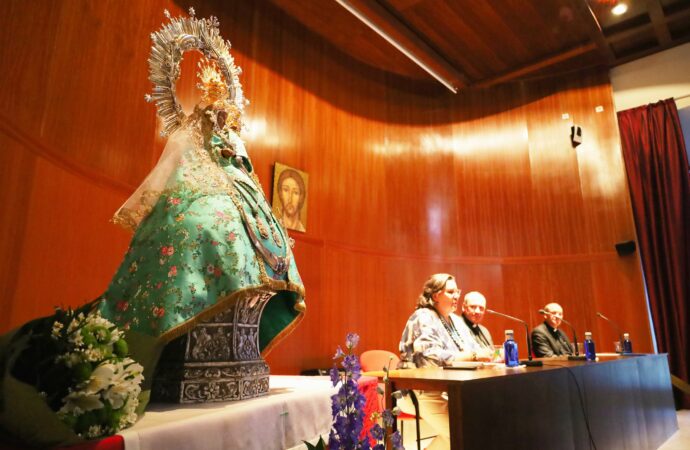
(101, 378)
(70, 359)
(131, 407)
(115, 335)
(131, 417)
(93, 354)
(78, 401)
(124, 382)
(114, 380)
(116, 395)
(96, 320)
(94, 431)
(134, 372)
(72, 326)
(77, 339)
(57, 328)
(101, 334)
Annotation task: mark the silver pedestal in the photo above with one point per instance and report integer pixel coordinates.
(218, 360)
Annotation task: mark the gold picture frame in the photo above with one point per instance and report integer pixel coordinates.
(290, 195)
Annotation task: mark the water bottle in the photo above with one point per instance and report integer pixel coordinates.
(590, 354)
(627, 344)
(510, 350)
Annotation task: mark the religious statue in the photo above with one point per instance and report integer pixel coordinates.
(209, 280)
(205, 238)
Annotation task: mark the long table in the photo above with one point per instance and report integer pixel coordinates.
(622, 402)
(296, 409)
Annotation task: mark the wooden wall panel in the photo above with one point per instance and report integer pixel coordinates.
(17, 173)
(616, 286)
(72, 233)
(405, 179)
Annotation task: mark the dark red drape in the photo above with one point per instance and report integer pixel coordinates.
(657, 167)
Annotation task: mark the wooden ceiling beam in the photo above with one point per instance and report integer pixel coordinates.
(650, 51)
(405, 40)
(525, 70)
(596, 34)
(629, 33)
(683, 14)
(656, 13)
(402, 5)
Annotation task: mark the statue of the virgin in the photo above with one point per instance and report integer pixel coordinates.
(205, 238)
(208, 262)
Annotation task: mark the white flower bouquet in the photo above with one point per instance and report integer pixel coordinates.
(104, 393)
(76, 364)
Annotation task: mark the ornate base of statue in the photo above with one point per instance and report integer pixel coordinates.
(218, 360)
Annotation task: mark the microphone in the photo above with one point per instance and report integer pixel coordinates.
(577, 356)
(529, 361)
(618, 329)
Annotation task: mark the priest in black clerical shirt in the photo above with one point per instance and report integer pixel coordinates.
(476, 338)
(547, 339)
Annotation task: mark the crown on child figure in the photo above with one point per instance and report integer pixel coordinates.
(211, 83)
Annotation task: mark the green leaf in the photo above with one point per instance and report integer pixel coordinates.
(321, 445)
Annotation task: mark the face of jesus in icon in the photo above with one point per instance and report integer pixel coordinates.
(291, 195)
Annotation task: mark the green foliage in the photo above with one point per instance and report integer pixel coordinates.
(321, 445)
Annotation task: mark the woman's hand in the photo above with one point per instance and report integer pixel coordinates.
(485, 355)
(465, 356)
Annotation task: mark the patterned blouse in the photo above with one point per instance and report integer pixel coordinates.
(426, 341)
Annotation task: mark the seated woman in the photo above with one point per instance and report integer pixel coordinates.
(431, 338)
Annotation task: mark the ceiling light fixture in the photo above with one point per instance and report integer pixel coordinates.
(354, 11)
(619, 9)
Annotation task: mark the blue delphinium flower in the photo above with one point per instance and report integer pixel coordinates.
(351, 340)
(335, 375)
(377, 432)
(396, 441)
(347, 407)
(388, 418)
(351, 366)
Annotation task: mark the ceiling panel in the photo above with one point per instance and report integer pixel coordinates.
(478, 42)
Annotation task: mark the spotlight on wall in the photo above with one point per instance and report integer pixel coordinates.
(619, 9)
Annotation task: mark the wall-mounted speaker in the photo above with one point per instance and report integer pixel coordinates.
(625, 248)
(576, 135)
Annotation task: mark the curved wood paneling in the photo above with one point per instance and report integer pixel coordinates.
(405, 180)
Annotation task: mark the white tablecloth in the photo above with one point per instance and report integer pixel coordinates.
(296, 409)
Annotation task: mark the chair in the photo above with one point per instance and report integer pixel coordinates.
(377, 361)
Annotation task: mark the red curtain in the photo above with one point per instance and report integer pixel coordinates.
(657, 167)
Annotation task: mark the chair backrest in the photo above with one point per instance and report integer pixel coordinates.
(372, 360)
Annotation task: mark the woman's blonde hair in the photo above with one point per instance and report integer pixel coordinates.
(435, 283)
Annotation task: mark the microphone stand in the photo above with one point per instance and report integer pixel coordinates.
(618, 329)
(577, 356)
(529, 362)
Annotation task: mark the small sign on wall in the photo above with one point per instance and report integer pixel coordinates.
(290, 197)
